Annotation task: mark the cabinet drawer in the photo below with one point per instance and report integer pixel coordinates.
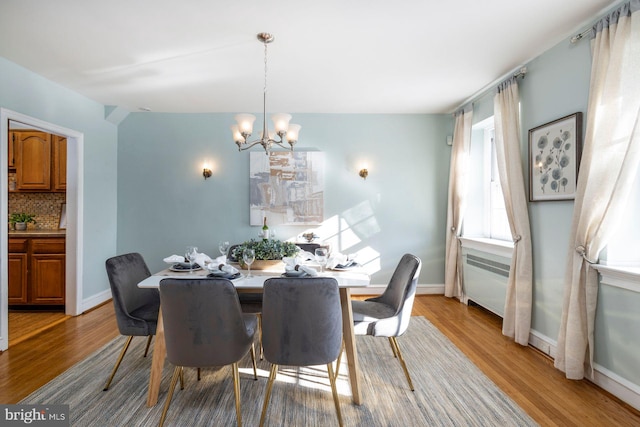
(47, 246)
(17, 245)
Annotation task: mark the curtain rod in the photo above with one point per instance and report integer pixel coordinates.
(520, 72)
(575, 39)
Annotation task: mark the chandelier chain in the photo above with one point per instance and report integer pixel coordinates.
(265, 68)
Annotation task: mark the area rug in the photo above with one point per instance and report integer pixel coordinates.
(449, 390)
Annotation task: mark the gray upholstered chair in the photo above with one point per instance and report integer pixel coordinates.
(388, 315)
(136, 309)
(204, 327)
(301, 326)
(250, 302)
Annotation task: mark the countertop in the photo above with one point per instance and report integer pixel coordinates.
(37, 233)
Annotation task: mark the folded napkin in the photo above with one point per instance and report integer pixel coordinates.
(338, 260)
(202, 259)
(220, 264)
(305, 255)
(292, 264)
(173, 259)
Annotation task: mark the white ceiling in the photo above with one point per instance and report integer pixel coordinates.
(329, 56)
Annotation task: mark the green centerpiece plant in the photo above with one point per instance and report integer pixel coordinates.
(265, 250)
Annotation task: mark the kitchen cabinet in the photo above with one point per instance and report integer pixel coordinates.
(37, 271)
(18, 271)
(39, 160)
(59, 166)
(12, 158)
(32, 151)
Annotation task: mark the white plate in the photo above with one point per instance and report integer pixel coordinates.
(183, 270)
(342, 269)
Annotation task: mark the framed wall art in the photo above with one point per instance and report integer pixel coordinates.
(554, 159)
(286, 187)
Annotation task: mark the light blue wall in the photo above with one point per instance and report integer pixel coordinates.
(27, 93)
(165, 204)
(556, 85)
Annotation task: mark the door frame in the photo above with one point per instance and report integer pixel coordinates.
(74, 246)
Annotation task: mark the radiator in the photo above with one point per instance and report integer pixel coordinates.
(485, 279)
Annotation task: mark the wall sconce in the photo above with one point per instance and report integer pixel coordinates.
(206, 171)
(363, 173)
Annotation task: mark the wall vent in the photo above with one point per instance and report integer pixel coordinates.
(488, 265)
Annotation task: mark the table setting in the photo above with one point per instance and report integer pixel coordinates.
(294, 263)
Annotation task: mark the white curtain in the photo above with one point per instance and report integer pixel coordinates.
(609, 164)
(457, 201)
(517, 307)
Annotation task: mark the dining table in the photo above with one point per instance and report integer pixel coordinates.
(347, 279)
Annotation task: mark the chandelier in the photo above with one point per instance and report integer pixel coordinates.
(285, 131)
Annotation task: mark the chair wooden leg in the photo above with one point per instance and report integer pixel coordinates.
(267, 394)
(177, 372)
(259, 316)
(334, 390)
(181, 378)
(198, 374)
(394, 342)
(393, 347)
(339, 360)
(236, 390)
(146, 350)
(115, 368)
(253, 360)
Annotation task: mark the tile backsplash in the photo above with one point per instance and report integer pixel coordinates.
(45, 206)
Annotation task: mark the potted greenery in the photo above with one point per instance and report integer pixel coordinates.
(268, 252)
(20, 220)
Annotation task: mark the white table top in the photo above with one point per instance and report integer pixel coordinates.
(354, 278)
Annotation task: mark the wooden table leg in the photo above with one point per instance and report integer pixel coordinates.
(350, 344)
(157, 363)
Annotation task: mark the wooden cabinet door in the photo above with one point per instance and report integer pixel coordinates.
(11, 159)
(33, 156)
(59, 163)
(47, 279)
(18, 279)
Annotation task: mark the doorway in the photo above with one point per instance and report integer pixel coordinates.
(73, 250)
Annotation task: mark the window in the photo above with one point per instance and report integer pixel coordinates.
(486, 215)
(622, 249)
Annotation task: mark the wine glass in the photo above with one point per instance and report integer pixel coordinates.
(249, 255)
(223, 246)
(190, 255)
(321, 257)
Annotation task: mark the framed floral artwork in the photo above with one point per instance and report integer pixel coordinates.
(554, 159)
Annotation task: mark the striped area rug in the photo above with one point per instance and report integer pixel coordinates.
(450, 390)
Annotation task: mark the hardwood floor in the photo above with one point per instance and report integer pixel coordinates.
(25, 324)
(34, 362)
(526, 375)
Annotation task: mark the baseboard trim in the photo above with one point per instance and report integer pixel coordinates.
(379, 289)
(95, 300)
(543, 343)
(622, 388)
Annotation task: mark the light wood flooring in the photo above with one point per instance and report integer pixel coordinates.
(523, 373)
